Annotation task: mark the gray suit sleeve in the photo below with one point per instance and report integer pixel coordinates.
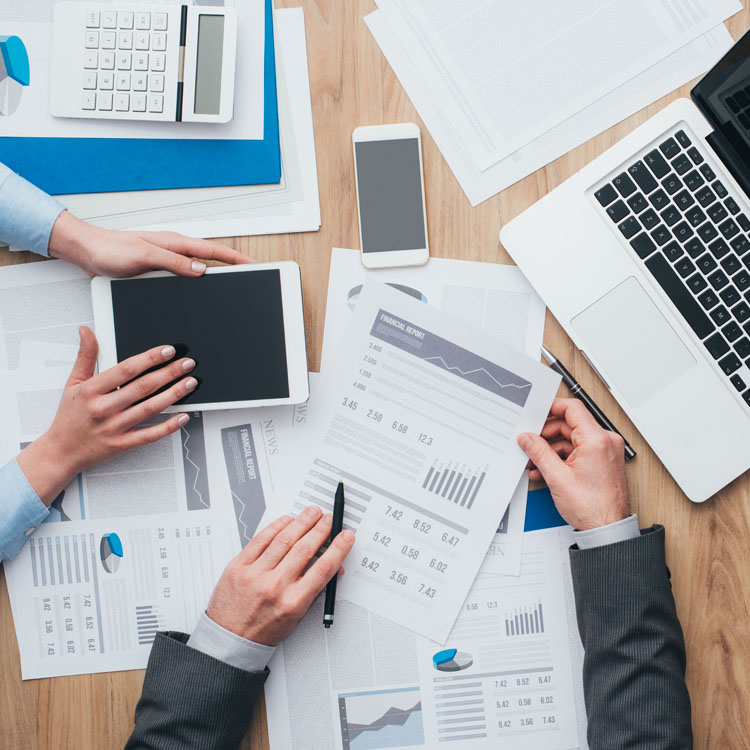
(634, 663)
(191, 700)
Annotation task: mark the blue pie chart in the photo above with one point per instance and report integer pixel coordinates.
(15, 73)
(110, 552)
(452, 660)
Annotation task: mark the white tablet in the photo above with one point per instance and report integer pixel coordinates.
(243, 325)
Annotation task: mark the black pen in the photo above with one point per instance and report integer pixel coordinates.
(588, 402)
(336, 525)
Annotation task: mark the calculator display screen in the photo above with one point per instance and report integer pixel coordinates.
(208, 66)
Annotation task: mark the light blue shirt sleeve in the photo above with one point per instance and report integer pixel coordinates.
(21, 510)
(612, 533)
(27, 214)
(224, 645)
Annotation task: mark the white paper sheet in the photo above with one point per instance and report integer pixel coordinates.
(496, 299)
(32, 22)
(365, 665)
(490, 62)
(419, 419)
(657, 81)
(33, 355)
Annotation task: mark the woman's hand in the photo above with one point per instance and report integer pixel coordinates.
(98, 414)
(106, 252)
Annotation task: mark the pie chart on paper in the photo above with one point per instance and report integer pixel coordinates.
(110, 552)
(452, 660)
(14, 73)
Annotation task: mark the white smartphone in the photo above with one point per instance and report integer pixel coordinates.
(243, 325)
(390, 195)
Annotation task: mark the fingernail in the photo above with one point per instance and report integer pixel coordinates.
(198, 267)
(188, 365)
(328, 518)
(183, 419)
(190, 384)
(312, 511)
(167, 352)
(347, 535)
(285, 519)
(524, 441)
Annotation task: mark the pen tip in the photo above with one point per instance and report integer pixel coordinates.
(548, 355)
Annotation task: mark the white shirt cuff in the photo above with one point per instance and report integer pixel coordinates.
(210, 638)
(619, 531)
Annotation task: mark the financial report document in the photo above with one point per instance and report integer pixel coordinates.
(419, 419)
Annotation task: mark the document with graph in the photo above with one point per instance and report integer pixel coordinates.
(419, 417)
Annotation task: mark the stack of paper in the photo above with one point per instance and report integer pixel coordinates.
(505, 88)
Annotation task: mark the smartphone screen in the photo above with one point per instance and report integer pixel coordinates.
(389, 186)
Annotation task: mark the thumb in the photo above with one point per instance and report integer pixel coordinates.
(85, 364)
(181, 265)
(541, 455)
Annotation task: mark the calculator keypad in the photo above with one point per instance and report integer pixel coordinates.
(124, 61)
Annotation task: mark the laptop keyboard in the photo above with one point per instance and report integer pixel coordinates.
(691, 235)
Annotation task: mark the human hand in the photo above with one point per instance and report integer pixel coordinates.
(264, 592)
(582, 464)
(97, 414)
(119, 254)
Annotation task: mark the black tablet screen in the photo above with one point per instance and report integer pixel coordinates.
(231, 324)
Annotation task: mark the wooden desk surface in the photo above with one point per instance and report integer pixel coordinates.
(707, 545)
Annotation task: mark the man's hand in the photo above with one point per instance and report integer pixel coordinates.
(97, 415)
(264, 592)
(105, 252)
(582, 464)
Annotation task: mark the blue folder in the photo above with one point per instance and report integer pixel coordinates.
(102, 165)
(541, 512)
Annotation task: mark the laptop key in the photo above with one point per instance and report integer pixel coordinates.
(706, 263)
(719, 188)
(605, 195)
(696, 283)
(742, 347)
(740, 244)
(708, 299)
(731, 363)
(624, 185)
(731, 204)
(732, 331)
(643, 245)
(684, 267)
(707, 232)
(746, 396)
(729, 229)
(694, 247)
(629, 227)
(718, 279)
(716, 345)
(694, 180)
(684, 200)
(617, 211)
(695, 216)
(730, 296)
(676, 290)
(659, 199)
(731, 264)
(640, 173)
(649, 219)
(695, 155)
(671, 184)
(742, 280)
(717, 212)
(673, 251)
(732, 104)
(683, 139)
(741, 312)
(719, 248)
(738, 382)
(657, 163)
(682, 164)
(683, 231)
(661, 235)
(707, 172)
(637, 203)
(705, 196)
(744, 222)
(669, 148)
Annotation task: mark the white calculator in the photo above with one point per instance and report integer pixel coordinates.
(143, 62)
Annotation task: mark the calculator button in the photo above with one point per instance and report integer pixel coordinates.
(92, 19)
(141, 40)
(140, 61)
(92, 39)
(160, 21)
(125, 19)
(158, 63)
(124, 60)
(91, 60)
(109, 40)
(88, 100)
(122, 102)
(143, 21)
(156, 103)
(125, 40)
(157, 83)
(105, 101)
(108, 61)
(123, 81)
(89, 79)
(139, 102)
(159, 42)
(109, 19)
(140, 81)
(106, 81)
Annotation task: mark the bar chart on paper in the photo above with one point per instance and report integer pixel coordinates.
(525, 621)
(455, 482)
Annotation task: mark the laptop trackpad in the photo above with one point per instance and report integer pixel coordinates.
(637, 350)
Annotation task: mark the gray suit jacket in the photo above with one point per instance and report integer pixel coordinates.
(634, 666)
(191, 700)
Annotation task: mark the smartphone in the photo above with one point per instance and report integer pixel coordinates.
(390, 195)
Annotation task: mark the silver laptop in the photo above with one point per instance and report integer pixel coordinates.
(644, 258)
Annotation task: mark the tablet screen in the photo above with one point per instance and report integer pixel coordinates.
(231, 324)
